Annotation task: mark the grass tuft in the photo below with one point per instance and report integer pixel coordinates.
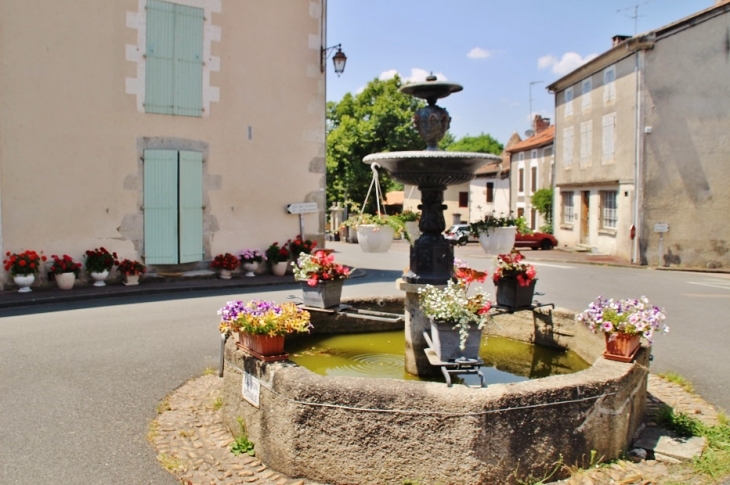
(675, 378)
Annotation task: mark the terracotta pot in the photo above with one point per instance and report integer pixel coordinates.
(65, 281)
(622, 347)
(263, 347)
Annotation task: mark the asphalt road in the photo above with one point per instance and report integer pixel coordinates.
(80, 382)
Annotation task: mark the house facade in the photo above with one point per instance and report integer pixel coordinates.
(489, 191)
(531, 169)
(168, 132)
(640, 150)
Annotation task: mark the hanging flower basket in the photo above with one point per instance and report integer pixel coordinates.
(375, 238)
(499, 240)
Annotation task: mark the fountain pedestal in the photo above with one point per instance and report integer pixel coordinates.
(416, 361)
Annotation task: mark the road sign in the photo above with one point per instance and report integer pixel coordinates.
(661, 227)
(302, 208)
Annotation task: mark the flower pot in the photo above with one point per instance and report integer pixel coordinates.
(65, 281)
(99, 277)
(621, 347)
(374, 238)
(499, 240)
(131, 279)
(224, 274)
(513, 296)
(413, 231)
(324, 295)
(446, 341)
(279, 269)
(24, 281)
(249, 267)
(263, 347)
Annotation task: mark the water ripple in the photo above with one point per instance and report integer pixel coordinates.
(371, 365)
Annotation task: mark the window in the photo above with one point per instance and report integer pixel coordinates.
(174, 59)
(463, 199)
(609, 135)
(521, 180)
(568, 146)
(490, 192)
(586, 143)
(586, 94)
(533, 179)
(173, 206)
(533, 219)
(608, 209)
(569, 101)
(568, 209)
(609, 85)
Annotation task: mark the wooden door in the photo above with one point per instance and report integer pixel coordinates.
(584, 212)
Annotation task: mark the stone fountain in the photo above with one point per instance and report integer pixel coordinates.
(432, 170)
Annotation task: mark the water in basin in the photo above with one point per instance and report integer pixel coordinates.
(381, 354)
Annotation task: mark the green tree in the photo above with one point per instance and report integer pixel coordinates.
(542, 200)
(379, 119)
(482, 143)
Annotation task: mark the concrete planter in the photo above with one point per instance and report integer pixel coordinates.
(446, 341)
(323, 295)
(513, 296)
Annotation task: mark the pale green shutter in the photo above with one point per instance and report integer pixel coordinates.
(160, 207)
(160, 55)
(191, 206)
(188, 90)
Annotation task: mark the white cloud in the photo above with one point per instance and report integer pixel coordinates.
(479, 53)
(417, 75)
(569, 62)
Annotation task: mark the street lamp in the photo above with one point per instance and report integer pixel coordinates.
(339, 59)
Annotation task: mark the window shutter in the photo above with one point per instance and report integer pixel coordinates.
(609, 126)
(191, 206)
(159, 69)
(188, 65)
(160, 207)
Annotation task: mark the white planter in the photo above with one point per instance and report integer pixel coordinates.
(499, 240)
(224, 274)
(99, 277)
(413, 231)
(65, 281)
(250, 267)
(131, 279)
(24, 282)
(374, 238)
(279, 269)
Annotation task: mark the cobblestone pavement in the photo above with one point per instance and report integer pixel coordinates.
(192, 442)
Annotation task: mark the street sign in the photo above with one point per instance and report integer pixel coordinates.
(251, 389)
(302, 208)
(661, 227)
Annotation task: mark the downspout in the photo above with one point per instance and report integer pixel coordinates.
(638, 152)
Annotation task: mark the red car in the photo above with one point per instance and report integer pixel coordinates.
(536, 240)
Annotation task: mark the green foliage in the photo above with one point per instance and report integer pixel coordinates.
(675, 378)
(242, 444)
(482, 143)
(542, 200)
(379, 119)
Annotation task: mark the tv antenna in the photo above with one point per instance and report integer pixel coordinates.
(531, 84)
(636, 15)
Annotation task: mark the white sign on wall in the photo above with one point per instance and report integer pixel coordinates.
(661, 227)
(251, 389)
(302, 208)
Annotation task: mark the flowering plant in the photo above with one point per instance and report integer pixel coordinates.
(299, 246)
(629, 316)
(225, 261)
(131, 267)
(277, 254)
(64, 264)
(510, 266)
(491, 221)
(261, 317)
(453, 303)
(252, 256)
(317, 267)
(100, 260)
(25, 263)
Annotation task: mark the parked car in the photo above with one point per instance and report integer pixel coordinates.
(535, 240)
(459, 234)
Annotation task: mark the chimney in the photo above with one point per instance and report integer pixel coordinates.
(540, 124)
(617, 39)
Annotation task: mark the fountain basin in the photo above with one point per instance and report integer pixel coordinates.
(343, 430)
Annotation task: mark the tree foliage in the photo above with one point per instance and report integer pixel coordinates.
(542, 200)
(379, 119)
(482, 143)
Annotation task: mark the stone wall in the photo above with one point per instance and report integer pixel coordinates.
(343, 430)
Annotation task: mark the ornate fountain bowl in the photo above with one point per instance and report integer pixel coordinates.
(432, 168)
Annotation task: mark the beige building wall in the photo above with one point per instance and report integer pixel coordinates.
(687, 106)
(479, 208)
(72, 131)
(453, 214)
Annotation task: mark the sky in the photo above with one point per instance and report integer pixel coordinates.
(503, 52)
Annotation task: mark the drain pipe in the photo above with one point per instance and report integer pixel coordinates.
(224, 337)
